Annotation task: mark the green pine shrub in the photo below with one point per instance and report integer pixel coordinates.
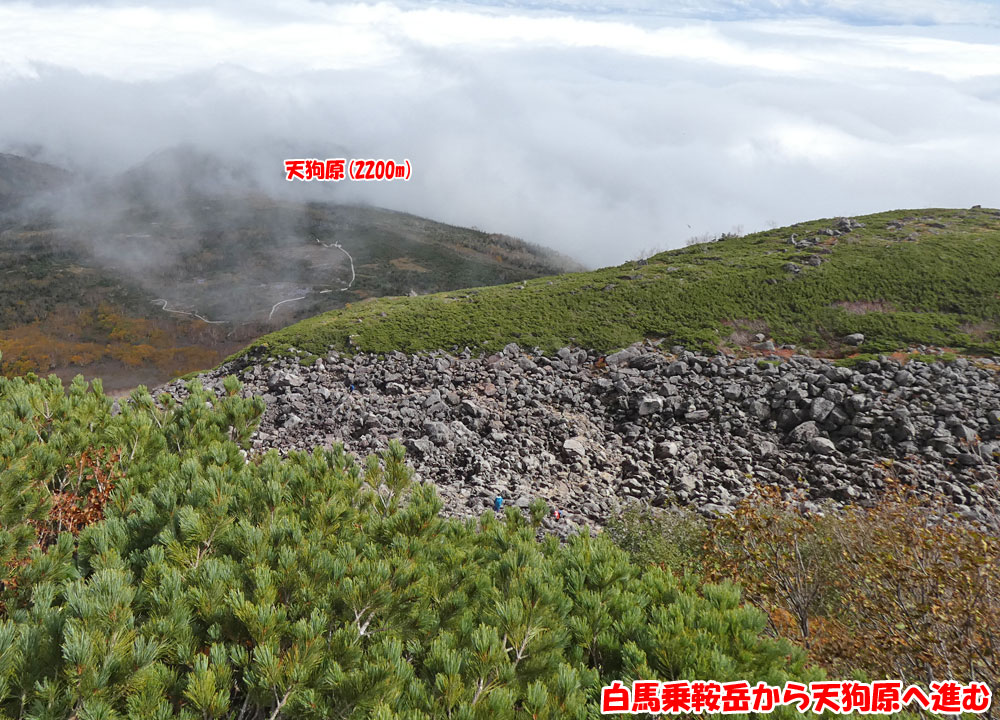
(311, 586)
(925, 284)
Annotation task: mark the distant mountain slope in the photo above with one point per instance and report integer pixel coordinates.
(22, 178)
(174, 264)
(899, 278)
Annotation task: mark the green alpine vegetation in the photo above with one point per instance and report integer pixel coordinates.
(151, 570)
(907, 277)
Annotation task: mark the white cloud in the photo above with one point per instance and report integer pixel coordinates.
(596, 130)
(144, 43)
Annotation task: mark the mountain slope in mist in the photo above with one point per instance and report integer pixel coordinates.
(176, 262)
(22, 178)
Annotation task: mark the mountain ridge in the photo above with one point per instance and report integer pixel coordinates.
(897, 278)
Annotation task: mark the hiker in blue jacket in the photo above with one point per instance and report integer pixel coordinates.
(497, 503)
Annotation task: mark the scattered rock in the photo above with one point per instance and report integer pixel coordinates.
(697, 416)
(804, 432)
(585, 435)
(821, 408)
(822, 446)
(438, 432)
(649, 405)
(575, 447)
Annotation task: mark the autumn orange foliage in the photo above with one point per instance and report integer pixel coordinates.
(72, 505)
(904, 589)
(83, 338)
(71, 511)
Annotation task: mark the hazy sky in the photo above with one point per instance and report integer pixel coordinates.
(599, 128)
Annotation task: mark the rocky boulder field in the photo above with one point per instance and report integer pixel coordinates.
(587, 433)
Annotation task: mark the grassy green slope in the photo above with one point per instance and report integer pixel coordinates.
(935, 280)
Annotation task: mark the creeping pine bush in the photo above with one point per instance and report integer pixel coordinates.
(198, 584)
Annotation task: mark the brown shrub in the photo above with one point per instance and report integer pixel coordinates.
(980, 331)
(744, 330)
(80, 499)
(901, 590)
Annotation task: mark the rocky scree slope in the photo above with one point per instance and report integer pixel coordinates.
(587, 432)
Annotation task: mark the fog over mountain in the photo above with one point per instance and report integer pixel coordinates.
(600, 129)
(183, 258)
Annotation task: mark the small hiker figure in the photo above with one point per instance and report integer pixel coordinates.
(557, 514)
(497, 503)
